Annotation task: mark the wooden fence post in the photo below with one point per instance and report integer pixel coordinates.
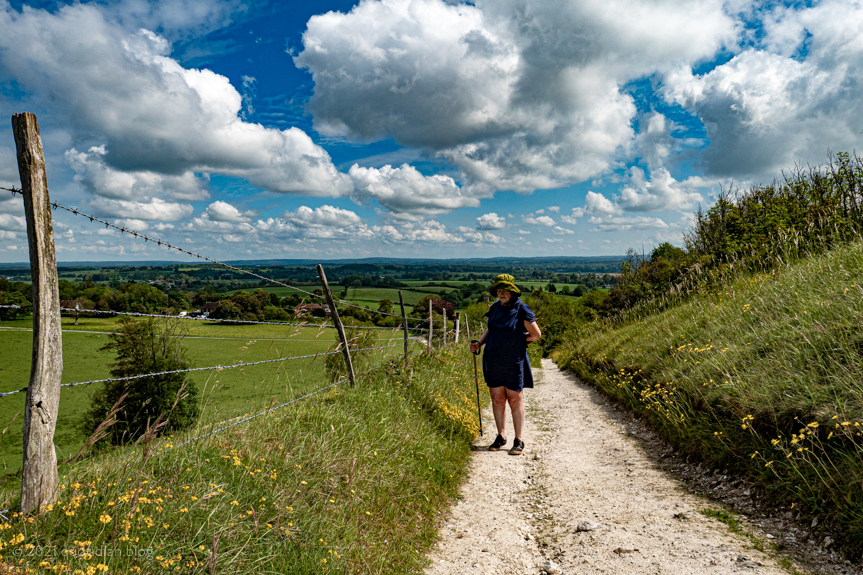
(39, 473)
(405, 326)
(457, 317)
(467, 326)
(431, 326)
(444, 327)
(334, 314)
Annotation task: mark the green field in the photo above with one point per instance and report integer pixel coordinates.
(371, 296)
(224, 393)
(283, 291)
(427, 285)
(367, 296)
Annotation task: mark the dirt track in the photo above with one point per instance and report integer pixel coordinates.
(580, 464)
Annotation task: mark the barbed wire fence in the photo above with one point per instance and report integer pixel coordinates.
(40, 474)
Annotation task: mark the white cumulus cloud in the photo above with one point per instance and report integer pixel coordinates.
(12, 223)
(405, 189)
(789, 99)
(660, 192)
(220, 211)
(324, 216)
(150, 113)
(538, 220)
(519, 95)
(99, 178)
(620, 224)
(490, 221)
(154, 209)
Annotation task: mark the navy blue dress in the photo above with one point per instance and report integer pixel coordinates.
(504, 361)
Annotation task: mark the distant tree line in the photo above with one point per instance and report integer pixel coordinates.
(14, 293)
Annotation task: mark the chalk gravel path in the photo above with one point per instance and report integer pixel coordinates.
(518, 512)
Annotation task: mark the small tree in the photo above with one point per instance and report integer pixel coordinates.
(385, 306)
(422, 306)
(144, 346)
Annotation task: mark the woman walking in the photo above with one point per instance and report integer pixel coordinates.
(505, 367)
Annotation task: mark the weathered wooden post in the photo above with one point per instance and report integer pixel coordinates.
(334, 314)
(431, 326)
(457, 317)
(39, 473)
(467, 326)
(404, 326)
(444, 327)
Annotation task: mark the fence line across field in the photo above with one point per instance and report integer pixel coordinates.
(239, 321)
(160, 242)
(211, 368)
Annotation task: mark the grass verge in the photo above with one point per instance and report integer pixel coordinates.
(763, 376)
(347, 481)
(734, 525)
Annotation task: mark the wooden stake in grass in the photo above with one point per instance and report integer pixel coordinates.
(334, 313)
(467, 326)
(431, 327)
(39, 473)
(457, 317)
(404, 326)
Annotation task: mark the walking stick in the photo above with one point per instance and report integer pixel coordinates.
(476, 379)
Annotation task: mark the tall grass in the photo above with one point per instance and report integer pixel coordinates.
(762, 374)
(347, 481)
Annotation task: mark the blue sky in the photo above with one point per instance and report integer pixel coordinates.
(407, 128)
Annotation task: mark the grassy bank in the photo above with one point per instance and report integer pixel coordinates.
(763, 376)
(347, 481)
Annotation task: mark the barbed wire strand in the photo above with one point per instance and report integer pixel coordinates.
(213, 319)
(239, 321)
(210, 368)
(160, 242)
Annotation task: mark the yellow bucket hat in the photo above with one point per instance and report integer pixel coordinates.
(504, 281)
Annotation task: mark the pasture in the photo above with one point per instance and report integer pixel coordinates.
(223, 394)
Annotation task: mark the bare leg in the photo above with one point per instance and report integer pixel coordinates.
(516, 405)
(498, 406)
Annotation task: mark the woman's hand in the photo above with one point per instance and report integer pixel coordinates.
(533, 333)
(474, 346)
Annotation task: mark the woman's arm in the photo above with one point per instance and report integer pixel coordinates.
(533, 333)
(474, 347)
